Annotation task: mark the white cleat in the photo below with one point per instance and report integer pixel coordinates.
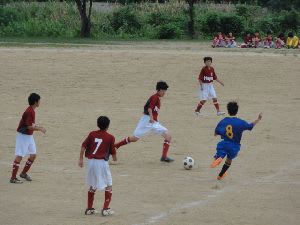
(198, 113)
(220, 113)
(107, 212)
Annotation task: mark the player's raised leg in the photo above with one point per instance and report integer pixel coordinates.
(15, 168)
(225, 167)
(126, 141)
(106, 211)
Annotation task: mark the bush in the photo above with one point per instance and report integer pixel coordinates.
(7, 16)
(289, 20)
(231, 23)
(125, 20)
(168, 31)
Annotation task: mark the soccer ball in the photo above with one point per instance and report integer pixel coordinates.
(188, 163)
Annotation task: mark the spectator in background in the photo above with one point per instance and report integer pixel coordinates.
(292, 41)
(256, 40)
(230, 41)
(219, 40)
(280, 41)
(268, 41)
(247, 41)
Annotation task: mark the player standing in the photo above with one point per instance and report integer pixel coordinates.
(230, 129)
(97, 147)
(206, 90)
(149, 122)
(25, 144)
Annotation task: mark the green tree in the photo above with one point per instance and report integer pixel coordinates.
(85, 16)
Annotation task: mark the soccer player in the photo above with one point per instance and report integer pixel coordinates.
(97, 148)
(230, 129)
(149, 122)
(25, 144)
(206, 90)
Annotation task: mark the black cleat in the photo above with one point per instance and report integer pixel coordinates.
(15, 181)
(166, 159)
(90, 211)
(25, 176)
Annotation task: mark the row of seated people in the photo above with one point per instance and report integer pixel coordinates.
(255, 41)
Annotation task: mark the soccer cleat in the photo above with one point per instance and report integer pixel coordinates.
(220, 178)
(90, 211)
(15, 181)
(198, 113)
(25, 176)
(216, 162)
(107, 212)
(166, 159)
(220, 113)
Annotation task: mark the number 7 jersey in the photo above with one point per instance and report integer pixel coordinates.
(99, 145)
(232, 128)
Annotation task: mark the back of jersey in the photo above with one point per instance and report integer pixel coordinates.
(232, 128)
(99, 145)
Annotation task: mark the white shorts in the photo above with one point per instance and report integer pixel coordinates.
(25, 145)
(145, 127)
(208, 92)
(98, 174)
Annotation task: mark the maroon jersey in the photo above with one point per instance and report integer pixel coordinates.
(99, 145)
(207, 74)
(28, 118)
(154, 104)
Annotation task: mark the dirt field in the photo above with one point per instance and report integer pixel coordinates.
(77, 84)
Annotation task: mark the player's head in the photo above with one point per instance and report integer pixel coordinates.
(103, 122)
(232, 108)
(290, 34)
(161, 88)
(207, 60)
(34, 99)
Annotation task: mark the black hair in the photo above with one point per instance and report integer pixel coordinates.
(207, 58)
(33, 98)
(269, 32)
(281, 35)
(290, 34)
(232, 108)
(256, 31)
(161, 85)
(103, 122)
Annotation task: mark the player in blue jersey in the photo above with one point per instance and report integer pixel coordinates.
(230, 129)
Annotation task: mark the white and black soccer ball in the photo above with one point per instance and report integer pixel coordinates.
(188, 163)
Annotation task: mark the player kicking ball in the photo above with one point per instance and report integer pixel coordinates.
(206, 89)
(25, 144)
(230, 129)
(97, 147)
(149, 122)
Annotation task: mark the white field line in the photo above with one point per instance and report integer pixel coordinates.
(217, 192)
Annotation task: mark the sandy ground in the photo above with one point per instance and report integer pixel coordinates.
(77, 84)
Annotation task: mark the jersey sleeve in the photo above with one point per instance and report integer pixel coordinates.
(214, 75)
(86, 142)
(153, 101)
(247, 126)
(112, 146)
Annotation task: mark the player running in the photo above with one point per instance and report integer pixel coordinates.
(149, 122)
(97, 147)
(230, 129)
(206, 89)
(25, 144)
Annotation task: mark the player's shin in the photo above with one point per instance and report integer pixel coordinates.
(27, 166)
(91, 194)
(224, 169)
(165, 150)
(125, 141)
(108, 194)
(216, 104)
(15, 169)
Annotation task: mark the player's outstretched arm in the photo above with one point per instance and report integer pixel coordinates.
(80, 161)
(36, 127)
(114, 157)
(220, 82)
(258, 119)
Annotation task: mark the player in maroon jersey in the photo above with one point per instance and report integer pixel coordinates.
(149, 122)
(97, 148)
(25, 144)
(206, 89)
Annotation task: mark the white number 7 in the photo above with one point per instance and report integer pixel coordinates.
(98, 141)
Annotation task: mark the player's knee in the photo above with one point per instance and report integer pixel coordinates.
(32, 157)
(133, 139)
(202, 102)
(18, 158)
(167, 137)
(228, 161)
(108, 188)
(215, 99)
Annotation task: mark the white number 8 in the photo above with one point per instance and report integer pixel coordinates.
(98, 141)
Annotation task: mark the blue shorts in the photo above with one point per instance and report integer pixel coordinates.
(227, 148)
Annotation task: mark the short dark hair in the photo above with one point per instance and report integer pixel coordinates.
(207, 58)
(103, 122)
(290, 34)
(33, 98)
(232, 108)
(161, 85)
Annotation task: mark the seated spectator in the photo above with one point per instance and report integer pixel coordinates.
(256, 40)
(247, 41)
(280, 41)
(268, 41)
(292, 41)
(218, 41)
(230, 41)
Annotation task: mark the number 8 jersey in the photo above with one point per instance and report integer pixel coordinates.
(99, 145)
(232, 128)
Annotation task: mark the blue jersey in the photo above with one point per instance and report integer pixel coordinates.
(231, 129)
